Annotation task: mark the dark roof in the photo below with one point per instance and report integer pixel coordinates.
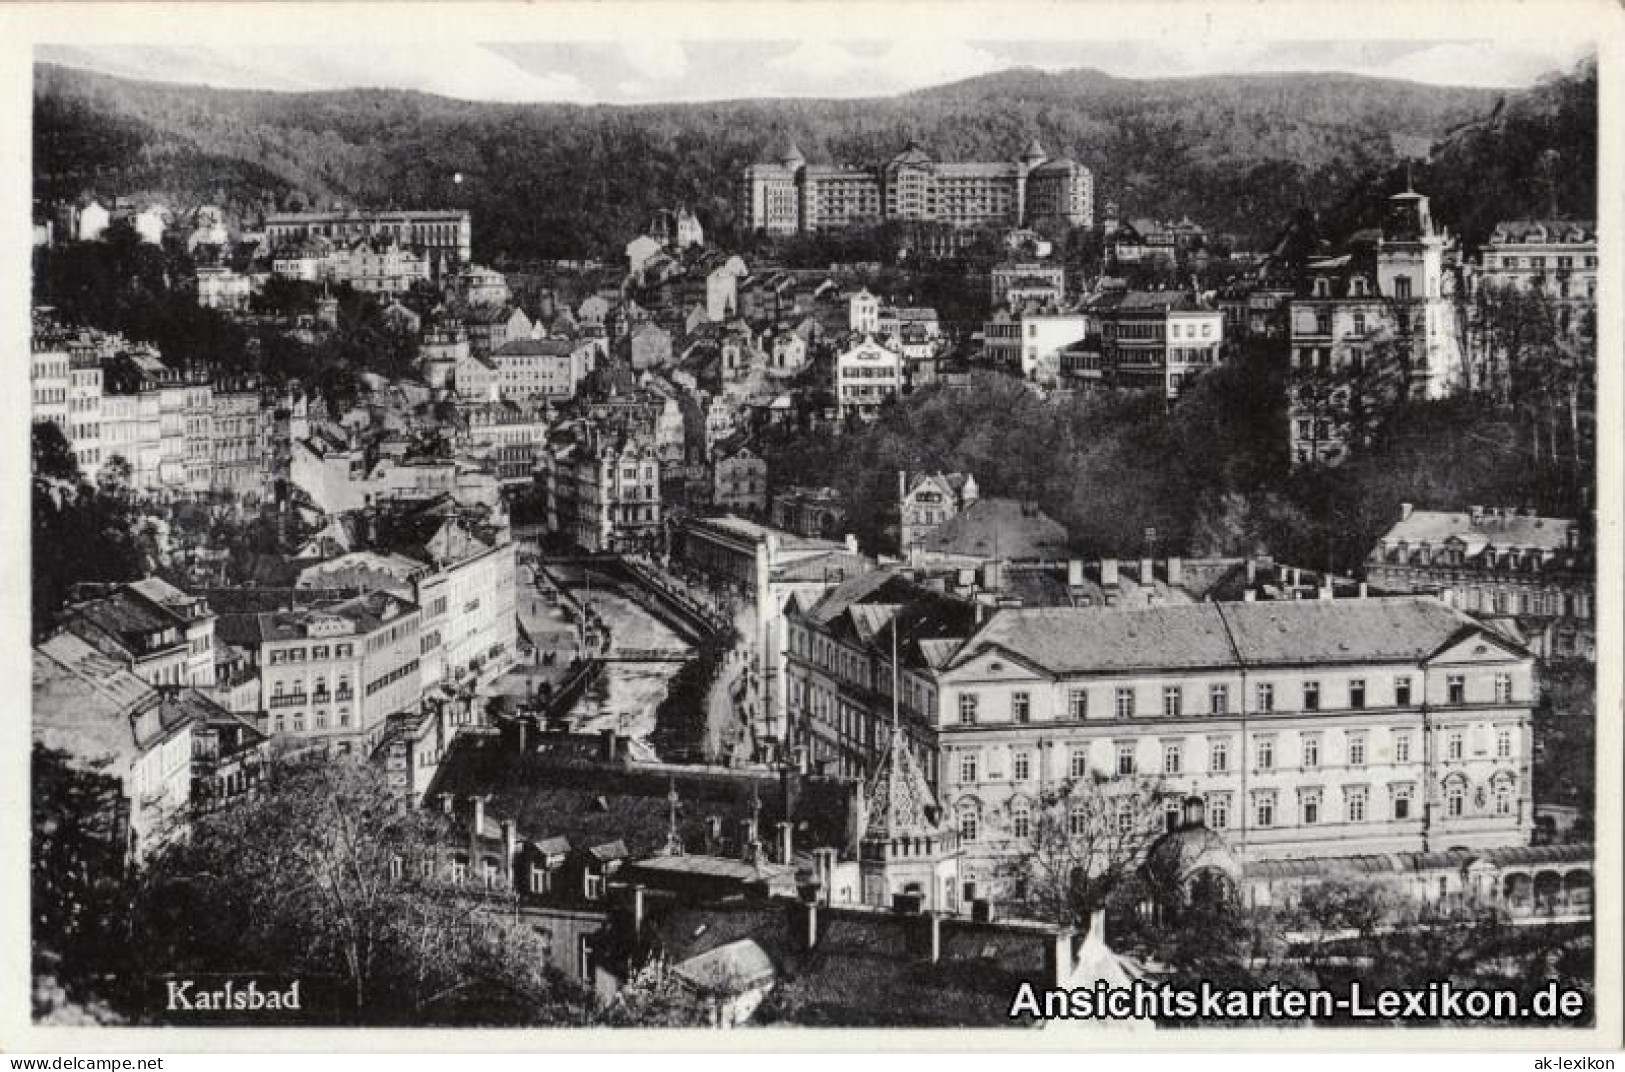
(1004, 527)
(866, 969)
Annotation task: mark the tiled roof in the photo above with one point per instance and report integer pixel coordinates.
(1066, 640)
(1503, 529)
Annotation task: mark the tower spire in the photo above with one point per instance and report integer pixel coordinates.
(896, 732)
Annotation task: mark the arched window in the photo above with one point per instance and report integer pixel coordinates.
(1455, 799)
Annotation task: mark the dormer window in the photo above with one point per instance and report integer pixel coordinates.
(1323, 287)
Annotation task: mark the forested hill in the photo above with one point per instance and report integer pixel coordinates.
(1236, 153)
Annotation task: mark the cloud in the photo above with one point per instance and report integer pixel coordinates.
(660, 60)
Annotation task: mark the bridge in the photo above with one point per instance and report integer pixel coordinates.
(648, 655)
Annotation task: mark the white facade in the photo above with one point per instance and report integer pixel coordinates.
(866, 376)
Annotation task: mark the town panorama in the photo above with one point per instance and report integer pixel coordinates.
(812, 563)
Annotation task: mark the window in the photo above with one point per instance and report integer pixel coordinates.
(1503, 688)
(1311, 750)
(1264, 754)
(1264, 809)
(1218, 699)
(1125, 759)
(1453, 745)
(1077, 820)
(1173, 756)
(1309, 806)
(1021, 819)
(1077, 704)
(1503, 744)
(967, 768)
(1079, 765)
(459, 871)
(1125, 702)
(1173, 701)
(397, 868)
(1357, 693)
(594, 887)
(967, 709)
(1503, 798)
(969, 822)
(1311, 696)
(1021, 766)
(1218, 811)
(1402, 802)
(1402, 692)
(1354, 801)
(1266, 697)
(1402, 286)
(1455, 800)
(1455, 686)
(1021, 707)
(1218, 756)
(1356, 749)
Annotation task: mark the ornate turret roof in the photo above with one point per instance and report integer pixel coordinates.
(792, 157)
(900, 803)
(1035, 153)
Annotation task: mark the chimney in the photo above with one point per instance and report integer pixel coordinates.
(902, 484)
(747, 840)
(1250, 596)
(803, 925)
(522, 735)
(1404, 511)
(1326, 587)
(1252, 571)
(990, 576)
(1363, 591)
(1147, 574)
(851, 543)
(787, 845)
(478, 822)
(606, 745)
(1058, 959)
(1074, 573)
(1176, 572)
(634, 902)
(510, 850)
(1476, 513)
(1108, 573)
(448, 802)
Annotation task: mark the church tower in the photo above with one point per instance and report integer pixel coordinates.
(1411, 277)
(907, 847)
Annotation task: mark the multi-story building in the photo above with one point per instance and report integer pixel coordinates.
(334, 674)
(1029, 338)
(218, 287)
(1382, 304)
(91, 709)
(514, 435)
(1159, 340)
(84, 427)
(1022, 281)
(604, 496)
(1499, 563)
(199, 422)
(491, 327)
(49, 366)
(1555, 257)
(739, 481)
(238, 430)
(929, 500)
(868, 374)
(448, 236)
(162, 634)
(1309, 728)
(793, 196)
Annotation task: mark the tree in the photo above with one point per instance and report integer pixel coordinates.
(326, 873)
(1087, 836)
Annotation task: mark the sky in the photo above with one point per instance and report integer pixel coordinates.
(651, 69)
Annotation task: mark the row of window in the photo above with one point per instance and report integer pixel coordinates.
(314, 653)
(1082, 818)
(401, 671)
(1125, 699)
(1173, 755)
